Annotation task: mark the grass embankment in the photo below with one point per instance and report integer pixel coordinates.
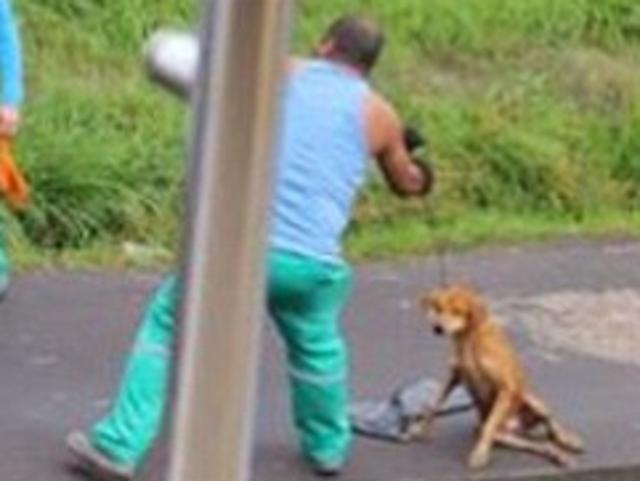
(532, 108)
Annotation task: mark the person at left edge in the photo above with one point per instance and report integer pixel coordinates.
(11, 95)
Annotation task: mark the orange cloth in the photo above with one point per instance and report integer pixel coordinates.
(13, 186)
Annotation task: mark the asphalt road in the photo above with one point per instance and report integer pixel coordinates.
(62, 335)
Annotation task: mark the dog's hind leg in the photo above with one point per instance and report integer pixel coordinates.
(556, 432)
(545, 449)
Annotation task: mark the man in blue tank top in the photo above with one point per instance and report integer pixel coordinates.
(333, 122)
(10, 98)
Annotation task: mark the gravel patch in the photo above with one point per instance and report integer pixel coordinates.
(602, 324)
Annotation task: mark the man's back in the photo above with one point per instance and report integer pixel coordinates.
(322, 158)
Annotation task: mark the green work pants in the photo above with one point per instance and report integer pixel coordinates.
(305, 298)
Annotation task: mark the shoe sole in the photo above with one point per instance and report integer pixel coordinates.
(92, 460)
(325, 470)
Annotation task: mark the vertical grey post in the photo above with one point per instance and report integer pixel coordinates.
(243, 46)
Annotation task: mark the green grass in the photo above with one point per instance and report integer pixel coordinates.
(418, 236)
(532, 109)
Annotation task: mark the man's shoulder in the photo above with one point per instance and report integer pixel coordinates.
(295, 64)
(378, 107)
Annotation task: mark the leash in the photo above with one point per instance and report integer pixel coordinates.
(418, 144)
(441, 247)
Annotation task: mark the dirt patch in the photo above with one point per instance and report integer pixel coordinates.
(603, 324)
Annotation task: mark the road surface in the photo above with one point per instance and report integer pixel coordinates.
(63, 335)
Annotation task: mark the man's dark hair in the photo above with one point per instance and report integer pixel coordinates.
(357, 41)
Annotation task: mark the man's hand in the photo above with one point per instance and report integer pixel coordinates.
(9, 120)
(427, 176)
(414, 142)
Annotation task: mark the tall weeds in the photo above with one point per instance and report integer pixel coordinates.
(531, 107)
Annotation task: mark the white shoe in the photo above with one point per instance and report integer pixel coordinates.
(94, 461)
(172, 60)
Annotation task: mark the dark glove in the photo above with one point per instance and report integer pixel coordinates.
(413, 140)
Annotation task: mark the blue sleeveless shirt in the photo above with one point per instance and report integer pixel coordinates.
(321, 160)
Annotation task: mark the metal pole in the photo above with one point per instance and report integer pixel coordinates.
(243, 46)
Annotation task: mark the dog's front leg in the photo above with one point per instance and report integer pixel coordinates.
(496, 419)
(423, 427)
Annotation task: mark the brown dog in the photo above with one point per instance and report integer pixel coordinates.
(485, 363)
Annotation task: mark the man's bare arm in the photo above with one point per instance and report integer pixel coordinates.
(386, 141)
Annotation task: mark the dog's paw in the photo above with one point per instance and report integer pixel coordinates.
(479, 458)
(418, 430)
(571, 442)
(404, 437)
(561, 458)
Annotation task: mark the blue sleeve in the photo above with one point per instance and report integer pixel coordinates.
(11, 91)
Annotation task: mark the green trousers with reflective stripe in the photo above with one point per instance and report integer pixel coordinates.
(305, 298)
(128, 430)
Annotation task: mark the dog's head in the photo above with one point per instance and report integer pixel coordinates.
(454, 310)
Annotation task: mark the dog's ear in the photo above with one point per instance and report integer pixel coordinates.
(474, 308)
(478, 312)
